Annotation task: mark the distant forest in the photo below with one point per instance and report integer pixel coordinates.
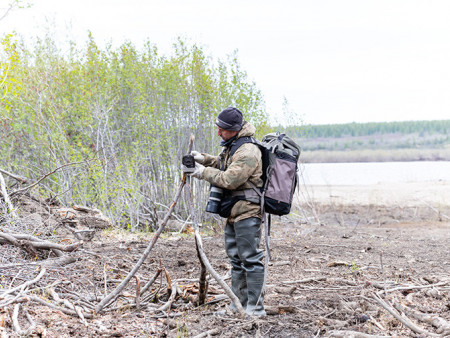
(373, 136)
(372, 128)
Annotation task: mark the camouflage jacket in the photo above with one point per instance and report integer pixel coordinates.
(243, 167)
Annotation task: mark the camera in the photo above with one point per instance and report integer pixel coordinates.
(188, 163)
(215, 197)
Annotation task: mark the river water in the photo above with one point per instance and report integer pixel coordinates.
(368, 173)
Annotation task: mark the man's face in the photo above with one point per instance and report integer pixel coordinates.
(226, 134)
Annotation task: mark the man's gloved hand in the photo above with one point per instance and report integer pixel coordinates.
(198, 171)
(197, 156)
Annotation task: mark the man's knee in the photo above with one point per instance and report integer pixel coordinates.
(248, 235)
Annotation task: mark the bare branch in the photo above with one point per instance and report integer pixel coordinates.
(16, 177)
(26, 284)
(19, 191)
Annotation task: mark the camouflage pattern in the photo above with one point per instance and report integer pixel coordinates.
(243, 167)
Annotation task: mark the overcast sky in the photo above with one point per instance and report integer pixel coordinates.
(335, 61)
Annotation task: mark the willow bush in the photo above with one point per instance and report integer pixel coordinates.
(123, 114)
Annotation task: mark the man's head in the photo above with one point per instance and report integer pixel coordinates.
(229, 122)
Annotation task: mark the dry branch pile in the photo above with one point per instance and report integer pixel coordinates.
(35, 249)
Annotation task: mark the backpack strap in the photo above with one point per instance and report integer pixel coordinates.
(240, 141)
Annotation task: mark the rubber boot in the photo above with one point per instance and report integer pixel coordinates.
(242, 245)
(239, 288)
(248, 236)
(255, 284)
(238, 278)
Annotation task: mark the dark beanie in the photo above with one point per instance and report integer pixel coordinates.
(230, 119)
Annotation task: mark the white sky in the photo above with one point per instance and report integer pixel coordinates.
(335, 61)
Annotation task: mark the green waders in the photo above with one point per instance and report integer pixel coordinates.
(247, 274)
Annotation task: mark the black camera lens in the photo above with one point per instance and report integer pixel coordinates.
(215, 197)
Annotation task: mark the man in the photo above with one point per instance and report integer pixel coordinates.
(237, 175)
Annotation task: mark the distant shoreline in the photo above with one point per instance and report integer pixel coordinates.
(432, 194)
(375, 155)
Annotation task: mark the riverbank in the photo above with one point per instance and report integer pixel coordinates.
(411, 194)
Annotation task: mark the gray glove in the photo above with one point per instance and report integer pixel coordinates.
(197, 156)
(198, 172)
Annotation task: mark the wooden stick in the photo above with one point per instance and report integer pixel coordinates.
(138, 291)
(203, 283)
(59, 308)
(382, 271)
(307, 280)
(15, 320)
(412, 287)
(209, 333)
(353, 334)
(16, 324)
(208, 265)
(150, 282)
(168, 304)
(35, 243)
(115, 293)
(405, 321)
(35, 239)
(26, 284)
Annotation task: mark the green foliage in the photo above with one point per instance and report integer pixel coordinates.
(127, 113)
(8, 63)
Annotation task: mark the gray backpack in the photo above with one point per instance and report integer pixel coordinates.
(280, 155)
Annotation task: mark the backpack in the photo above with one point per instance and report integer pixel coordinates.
(280, 155)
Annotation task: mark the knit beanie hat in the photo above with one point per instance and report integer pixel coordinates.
(230, 119)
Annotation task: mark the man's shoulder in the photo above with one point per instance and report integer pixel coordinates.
(248, 149)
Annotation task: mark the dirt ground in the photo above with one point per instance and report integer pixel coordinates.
(331, 257)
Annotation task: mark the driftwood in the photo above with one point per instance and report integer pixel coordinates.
(16, 324)
(21, 241)
(441, 325)
(405, 321)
